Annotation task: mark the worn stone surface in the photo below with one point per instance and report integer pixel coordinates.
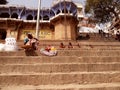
(90, 67)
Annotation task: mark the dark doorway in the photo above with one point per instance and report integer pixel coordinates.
(46, 17)
(3, 34)
(14, 15)
(29, 17)
(4, 15)
(39, 17)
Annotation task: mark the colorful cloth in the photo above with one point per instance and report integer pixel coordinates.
(52, 52)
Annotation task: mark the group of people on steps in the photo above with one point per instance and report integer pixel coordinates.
(31, 43)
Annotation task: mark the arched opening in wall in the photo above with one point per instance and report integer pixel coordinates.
(29, 17)
(14, 15)
(4, 15)
(3, 34)
(65, 11)
(46, 17)
(70, 11)
(58, 11)
(36, 18)
(52, 13)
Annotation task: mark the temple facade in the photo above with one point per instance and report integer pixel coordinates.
(60, 22)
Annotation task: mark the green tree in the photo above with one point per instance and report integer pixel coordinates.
(3, 2)
(103, 10)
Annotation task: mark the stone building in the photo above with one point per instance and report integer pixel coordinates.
(57, 23)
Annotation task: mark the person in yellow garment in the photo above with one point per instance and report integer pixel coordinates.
(49, 51)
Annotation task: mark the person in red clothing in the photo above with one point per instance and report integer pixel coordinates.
(70, 45)
(62, 45)
(48, 48)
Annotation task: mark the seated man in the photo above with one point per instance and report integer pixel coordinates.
(30, 43)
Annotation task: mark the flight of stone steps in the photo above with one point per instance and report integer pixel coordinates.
(92, 66)
(97, 37)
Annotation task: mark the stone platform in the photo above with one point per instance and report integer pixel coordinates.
(92, 66)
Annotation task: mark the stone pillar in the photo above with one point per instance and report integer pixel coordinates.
(71, 28)
(12, 33)
(59, 31)
(8, 32)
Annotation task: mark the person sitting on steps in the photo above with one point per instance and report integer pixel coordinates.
(70, 45)
(62, 45)
(30, 43)
(78, 45)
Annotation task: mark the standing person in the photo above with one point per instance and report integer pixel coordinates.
(30, 42)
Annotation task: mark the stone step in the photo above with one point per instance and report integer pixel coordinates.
(37, 59)
(6, 60)
(60, 78)
(65, 53)
(102, 86)
(86, 47)
(99, 59)
(89, 53)
(82, 44)
(58, 68)
(54, 42)
(116, 47)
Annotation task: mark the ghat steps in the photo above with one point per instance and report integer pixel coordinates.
(93, 66)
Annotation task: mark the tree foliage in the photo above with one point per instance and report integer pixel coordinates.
(103, 10)
(3, 2)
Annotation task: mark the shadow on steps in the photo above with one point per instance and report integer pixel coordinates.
(30, 53)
